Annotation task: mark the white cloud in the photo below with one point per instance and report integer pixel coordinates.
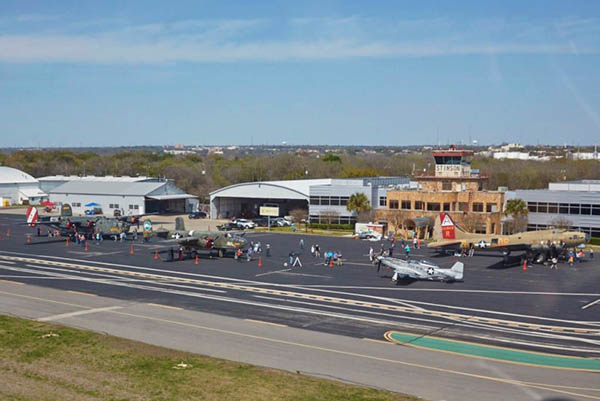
(207, 41)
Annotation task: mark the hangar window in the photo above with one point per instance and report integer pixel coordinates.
(596, 210)
(446, 206)
(532, 207)
(478, 207)
(325, 200)
(335, 201)
(406, 205)
(542, 207)
(586, 209)
(419, 205)
(382, 200)
(314, 200)
(574, 208)
(393, 204)
(76, 204)
(343, 200)
(434, 206)
(552, 207)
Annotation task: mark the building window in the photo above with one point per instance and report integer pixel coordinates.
(563, 208)
(344, 200)
(542, 207)
(596, 210)
(136, 207)
(446, 206)
(130, 207)
(433, 206)
(480, 229)
(406, 205)
(393, 204)
(382, 200)
(334, 201)
(532, 207)
(552, 207)
(325, 200)
(419, 205)
(463, 206)
(446, 185)
(574, 208)
(314, 200)
(491, 207)
(586, 209)
(478, 207)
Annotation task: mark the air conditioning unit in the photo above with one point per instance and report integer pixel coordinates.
(502, 189)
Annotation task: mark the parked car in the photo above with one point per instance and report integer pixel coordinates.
(93, 211)
(244, 223)
(369, 235)
(280, 221)
(264, 221)
(228, 227)
(198, 215)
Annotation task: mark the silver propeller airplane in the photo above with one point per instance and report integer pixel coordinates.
(421, 270)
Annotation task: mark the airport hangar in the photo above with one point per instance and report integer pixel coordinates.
(325, 199)
(17, 187)
(125, 194)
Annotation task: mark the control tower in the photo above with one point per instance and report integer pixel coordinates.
(453, 172)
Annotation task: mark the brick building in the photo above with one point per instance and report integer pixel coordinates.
(454, 188)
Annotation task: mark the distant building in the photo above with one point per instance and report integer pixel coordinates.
(576, 203)
(324, 199)
(50, 182)
(125, 196)
(18, 187)
(455, 188)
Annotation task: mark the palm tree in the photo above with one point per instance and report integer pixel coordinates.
(517, 209)
(358, 202)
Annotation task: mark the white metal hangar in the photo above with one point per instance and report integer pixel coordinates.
(128, 198)
(17, 187)
(50, 182)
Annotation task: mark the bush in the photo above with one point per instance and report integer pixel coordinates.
(595, 241)
(325, 226)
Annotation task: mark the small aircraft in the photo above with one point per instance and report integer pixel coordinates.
(195, 240)
(539, 245)
(421, 270)
(67, 224)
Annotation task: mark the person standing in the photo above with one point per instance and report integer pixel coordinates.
(312, 250)
(391, 250)
(317, 251)
(371, 254)
(291, 257)
(415, 241)
(407, 251)
(554, 263)
(301, 243)
(249, 254)
(268, 250)
(591, 253)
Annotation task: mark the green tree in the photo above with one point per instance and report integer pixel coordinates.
(517, 209)
(358, 202)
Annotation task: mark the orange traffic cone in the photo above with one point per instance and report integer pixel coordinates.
(525, 265)
(155, 255)
(67, 242)
(196, 261)
(29, 238)
(85, 248)
(331, 262)
(259, 261)
(131, 249)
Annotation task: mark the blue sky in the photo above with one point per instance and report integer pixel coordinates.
(324, 72)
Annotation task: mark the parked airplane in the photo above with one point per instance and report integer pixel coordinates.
(67, 224)
(195, 240)
(421, 270)
(540, 245)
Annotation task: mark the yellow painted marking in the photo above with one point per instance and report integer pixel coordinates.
(166, 306)
(377, 341)
(87, 294)
(263, 322)
(11, 282)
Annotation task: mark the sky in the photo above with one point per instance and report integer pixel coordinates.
(121, 73)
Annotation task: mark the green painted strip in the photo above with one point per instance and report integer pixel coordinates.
(502, 354)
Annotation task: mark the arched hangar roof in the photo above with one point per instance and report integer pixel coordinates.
(9, 175)
(290, 189)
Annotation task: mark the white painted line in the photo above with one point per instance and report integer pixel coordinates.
(11, 282)
(272, 272)
(377, 341)
(263, 322)
(165, 306)
(78, 313)
(590, 304)
(87, 294)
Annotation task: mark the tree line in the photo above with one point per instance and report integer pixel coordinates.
(200, 175)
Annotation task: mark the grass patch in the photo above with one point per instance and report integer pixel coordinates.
(41, 361)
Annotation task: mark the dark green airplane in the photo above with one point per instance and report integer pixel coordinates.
(195, 240)
(67, 224)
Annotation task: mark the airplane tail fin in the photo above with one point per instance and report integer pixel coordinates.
(32, 215)
(179, 225)
(66, 211)
(445, 228)
(458, 269)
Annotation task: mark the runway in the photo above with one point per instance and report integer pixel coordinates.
(537, 309)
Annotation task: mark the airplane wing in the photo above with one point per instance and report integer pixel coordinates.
(400, 271)
(444, 244)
